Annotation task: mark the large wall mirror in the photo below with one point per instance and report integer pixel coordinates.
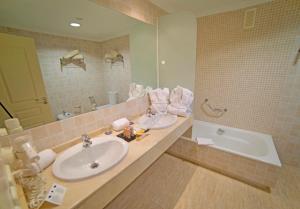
(61, 58)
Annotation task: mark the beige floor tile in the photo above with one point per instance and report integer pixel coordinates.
(171, 183)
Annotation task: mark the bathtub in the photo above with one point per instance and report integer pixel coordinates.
(249, 144)
(247, 156)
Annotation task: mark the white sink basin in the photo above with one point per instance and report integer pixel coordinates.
(157, 121)
(78, 162)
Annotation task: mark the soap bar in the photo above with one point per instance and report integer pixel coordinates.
(56, 194)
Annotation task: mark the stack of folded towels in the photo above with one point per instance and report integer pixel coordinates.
(181, 100)
(178, 103)
(159, 100)
(137, 90)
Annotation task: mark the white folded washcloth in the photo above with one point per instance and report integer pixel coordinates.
(159, 100)
(47, 157)
(204, 141)
(181, 100)
(120, 124)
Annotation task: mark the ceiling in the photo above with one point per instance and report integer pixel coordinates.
(53, 17)
(205, 7)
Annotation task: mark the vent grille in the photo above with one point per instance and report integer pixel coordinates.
(249, 18)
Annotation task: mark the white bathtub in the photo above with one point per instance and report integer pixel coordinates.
(249, 144)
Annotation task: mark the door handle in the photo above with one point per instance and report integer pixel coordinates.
(42, 100)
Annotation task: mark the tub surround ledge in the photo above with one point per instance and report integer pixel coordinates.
(98, 191)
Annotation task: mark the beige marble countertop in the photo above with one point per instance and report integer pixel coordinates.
(97, 191)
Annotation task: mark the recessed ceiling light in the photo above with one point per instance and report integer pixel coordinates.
(75, 24)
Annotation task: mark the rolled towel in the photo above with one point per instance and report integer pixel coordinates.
(7, 155)
(120, 124)
(12, 123)
(15, 130)
(78, 57)
(204, 141)
(71, 54)
(47, 157)
(3, 132)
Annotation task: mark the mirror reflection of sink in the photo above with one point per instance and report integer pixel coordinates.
(159, 121)
(64, 115)
(78, 162)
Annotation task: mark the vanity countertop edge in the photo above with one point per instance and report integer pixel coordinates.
(98, 191)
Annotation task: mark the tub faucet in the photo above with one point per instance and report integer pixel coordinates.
(86, 141)
(149, 112)
(220, 131)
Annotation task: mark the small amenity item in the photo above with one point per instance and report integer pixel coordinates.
(120, 124)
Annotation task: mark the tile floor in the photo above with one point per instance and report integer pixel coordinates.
(171, 183)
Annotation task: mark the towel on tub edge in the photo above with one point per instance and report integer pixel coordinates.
(204, 141)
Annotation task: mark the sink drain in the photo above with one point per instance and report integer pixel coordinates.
(94, 165)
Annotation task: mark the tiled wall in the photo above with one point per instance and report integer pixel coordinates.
(142, 10)
(71, 87)
(118, 75)
(52, 134)
(251, 72)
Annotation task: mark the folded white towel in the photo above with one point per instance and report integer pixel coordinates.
(3, 132)
(204, 141)
(179, 110)
(181, 100)
(120, 124)
(46, 158)
(136, 91)
(159, 100)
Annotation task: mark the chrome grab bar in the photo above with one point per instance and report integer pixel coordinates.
(217, 112)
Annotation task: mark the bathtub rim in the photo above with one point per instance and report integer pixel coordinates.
(272, 158)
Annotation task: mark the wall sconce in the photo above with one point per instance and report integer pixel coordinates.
(113, 57)
(73, 57)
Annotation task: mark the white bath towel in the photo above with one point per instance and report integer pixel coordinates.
(136, 91)
(204, 141)
(181, 100)
(159, 100)
(178, 110)
(120, 124)
(47, 157)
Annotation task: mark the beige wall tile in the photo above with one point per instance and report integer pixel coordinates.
(251, 71)
(52, 134)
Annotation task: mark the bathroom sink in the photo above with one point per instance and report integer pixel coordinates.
(78, 162)
(158, 121)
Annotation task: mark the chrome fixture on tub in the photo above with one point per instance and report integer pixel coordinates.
(220, 131)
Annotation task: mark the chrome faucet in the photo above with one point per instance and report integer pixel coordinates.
(86, 141)
(220, 131)
(93, 103)
(148, 112)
